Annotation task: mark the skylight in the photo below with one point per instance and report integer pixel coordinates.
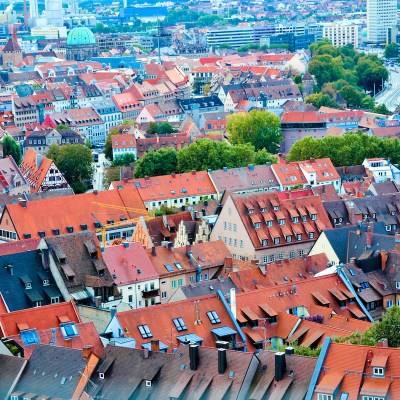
(145, 331)
(29, 337)
(168, 267)
(179, 324)
(213, 316)
(69, 330)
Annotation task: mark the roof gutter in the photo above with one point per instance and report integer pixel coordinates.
(228, 309)
(342, 275)
(318, 368)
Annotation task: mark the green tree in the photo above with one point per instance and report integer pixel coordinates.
(75, 162)
(162, 128)
(124, 160)
(88, 143)
(53, 152)
(111, 173)
(61, 127)
(12, 148)
(206, 89)
(352, 96)
(154, 163)
(391, 50)
(321, 100)
(381, 109)
(108, 146)
(297, 79)
(260, 128)
(262, 157)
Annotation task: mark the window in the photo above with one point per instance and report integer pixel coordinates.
(280, 256)
(264, 259)
(299, 236)
(281, 222)
(289, 238)
(398, 285)
(389, 303)
(213, 316)
(378, 371)
(130, 298)
(101, 375)
(292, 255)
(148, 384)
(276, 240)
(145, 331)
(372, 398)
(311, 235)
(301, 253)
(163, 295)
(180, 282)
(269, 223)
(323, 396)
(179, 324)
(272, 258)
(205, 276)
(173, 284)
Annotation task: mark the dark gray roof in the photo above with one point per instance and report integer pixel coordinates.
(347, 243)
(202, 102)
(11, 368)
(351, 173)
(208, 287)
(52, 371)
(384, 187)
(25, 267)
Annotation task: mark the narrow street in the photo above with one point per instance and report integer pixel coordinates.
(391, 96)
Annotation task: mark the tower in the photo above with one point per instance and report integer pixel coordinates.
(54, 13)
(12, 52)
(381, 15)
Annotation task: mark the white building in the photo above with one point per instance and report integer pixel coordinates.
(381, 15)
(381, 170)
(54, 12)
(341, 34)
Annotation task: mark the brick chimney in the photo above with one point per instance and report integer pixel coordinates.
(67, 343)
(384, 257)
(155, 345)
(369, 237)
(87, 351)
(228, 262)
(383, 343)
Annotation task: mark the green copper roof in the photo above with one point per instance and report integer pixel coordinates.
(80, 36)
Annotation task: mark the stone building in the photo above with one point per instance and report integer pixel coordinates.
(81, 44)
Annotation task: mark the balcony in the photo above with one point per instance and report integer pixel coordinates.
(147, 294)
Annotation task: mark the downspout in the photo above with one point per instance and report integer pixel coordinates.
(345, 280)
(228, 310)
(318, 368)
(196, 264)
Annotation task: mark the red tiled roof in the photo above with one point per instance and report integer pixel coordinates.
(19, 246)
(129, 264)
(123, 141)
(88, 336)
(40, 318)
(46, 215)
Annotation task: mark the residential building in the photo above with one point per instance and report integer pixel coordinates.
(381, 169)
(25, 111)
(128, 105)
(86, 121)
(69, 383)
(341, 34)
(213, 122)
(41, 172)
(200, 105)
(187, 265)
(271, 226)
(173, 190)
(133, 273)
(78, 268)
(253, 178)
(13, 368)
(178, 322)
(381, 15)
(370, 369)
(41, 140)
(315, 172)
(12, 180)
(108, 112)
(345, 243)
(124, 143)
(89, 211)
(26, 282)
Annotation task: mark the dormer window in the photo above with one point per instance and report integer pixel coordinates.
(299, 236)
(276, 208)
(28, 285)
(398, 285)
(257, 225)
(378, 371)
(269, 223)
(289, 238)
(311, 235)
(101, 375)
(304, 218)
(313, 217)
(277, 240)
(281, 222)
(265, 242)
(295, 220)
(263, 210)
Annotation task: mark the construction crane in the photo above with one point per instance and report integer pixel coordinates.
(126, 222)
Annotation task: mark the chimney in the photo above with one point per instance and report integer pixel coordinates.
(153, 251)
(352, 213)
(397, 241)
(39, 159)
(22, 201)
(369, 237)
(146, 353)
(194, 356)
(228, 262)
(289, 351)
(384, 257)
(97, 301)
(222, 363)
(67, 343)
(188, 249)
(280, 366)
(155, 345)
(95, 192)
(53, 337)
(233, 301)
(193, 172)
(126, 245)
(263, 269)
(383, 343)
(170, 246)
(87, 351)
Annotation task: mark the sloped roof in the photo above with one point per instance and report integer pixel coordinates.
(45, 215)
(11, 368)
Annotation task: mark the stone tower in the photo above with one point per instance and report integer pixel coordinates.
(12, 52)
(308, 84)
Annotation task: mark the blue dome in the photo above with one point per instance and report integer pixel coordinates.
(80, 36)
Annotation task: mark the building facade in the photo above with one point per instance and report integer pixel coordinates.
(381, 15)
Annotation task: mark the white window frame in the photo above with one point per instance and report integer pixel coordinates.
(378, 371)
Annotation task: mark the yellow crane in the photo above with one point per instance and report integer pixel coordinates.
(130, 221)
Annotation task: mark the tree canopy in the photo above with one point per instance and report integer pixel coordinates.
(353, 74)
(75, 163)
(161, 128)
(12, 148)
(201, 155)
(391, 50)
(260, 128)
(108, 146)
(388, 328)
(124, 160)
(349, 149)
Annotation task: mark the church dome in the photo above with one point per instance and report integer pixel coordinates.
(80, 36)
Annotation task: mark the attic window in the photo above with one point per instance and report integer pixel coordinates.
(213, 316)
(70, 229)
(179, 324)
(101, 375)
(42, 234)
(148, 384)
(378, 371)
(56, 231)
(84, 227)
(69, 330)
(145, 331)
(27, 235)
